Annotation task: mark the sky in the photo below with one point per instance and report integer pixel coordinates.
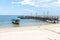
(28, 7)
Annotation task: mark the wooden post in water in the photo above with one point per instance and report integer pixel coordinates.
(57, 20)
(44, 14)
(54, 21)
(36, 14)
(47, 13)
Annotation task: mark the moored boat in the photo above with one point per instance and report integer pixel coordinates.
(15, 21)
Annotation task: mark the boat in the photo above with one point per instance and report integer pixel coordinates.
(15, 21)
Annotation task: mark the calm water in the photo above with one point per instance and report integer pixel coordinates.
(5, 21)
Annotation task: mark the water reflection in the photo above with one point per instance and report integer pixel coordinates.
(16, 25)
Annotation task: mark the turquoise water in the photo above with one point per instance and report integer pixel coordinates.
(5, 21)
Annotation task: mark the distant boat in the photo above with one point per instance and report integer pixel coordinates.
(15, 21)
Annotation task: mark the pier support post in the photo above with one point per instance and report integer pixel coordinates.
(57, 21)
(54, 21)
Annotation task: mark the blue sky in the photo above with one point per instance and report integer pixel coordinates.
(26, 7)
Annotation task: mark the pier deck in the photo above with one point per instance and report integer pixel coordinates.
(55, 19)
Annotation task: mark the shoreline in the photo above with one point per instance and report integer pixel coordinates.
(29, 28)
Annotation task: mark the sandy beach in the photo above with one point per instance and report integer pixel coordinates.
(44, 32)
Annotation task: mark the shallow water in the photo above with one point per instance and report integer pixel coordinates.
(5, 21)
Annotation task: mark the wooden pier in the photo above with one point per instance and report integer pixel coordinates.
(54, 19)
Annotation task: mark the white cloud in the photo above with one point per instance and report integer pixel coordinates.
(24, 2)
(56, 3)
(29, 10)
(36, 3)
(39, 3)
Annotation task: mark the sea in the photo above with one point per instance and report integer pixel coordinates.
(6, 22)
